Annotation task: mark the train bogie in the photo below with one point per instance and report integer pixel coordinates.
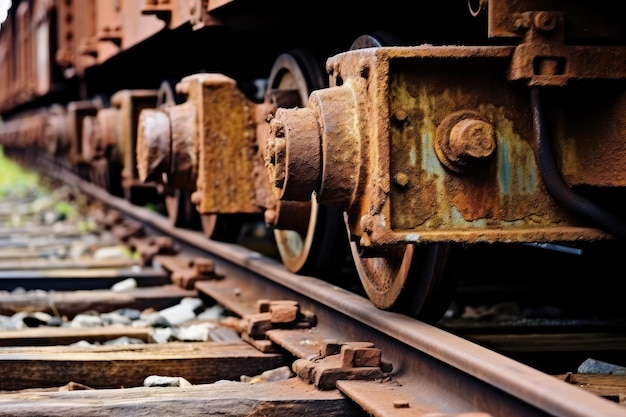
(211, 149)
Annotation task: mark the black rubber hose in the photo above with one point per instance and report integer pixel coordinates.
(554, 182)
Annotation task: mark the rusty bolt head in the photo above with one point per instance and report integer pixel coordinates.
(472, 140)
(401, 179)
(400, 116)
(545, 21)
(465, 141)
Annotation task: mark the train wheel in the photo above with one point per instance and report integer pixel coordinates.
(223, 227)
(409, 279)
(375, 40)
(100, 173)
(180, 211)
(319, 245)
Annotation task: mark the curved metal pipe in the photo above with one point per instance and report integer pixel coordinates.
(554, 182)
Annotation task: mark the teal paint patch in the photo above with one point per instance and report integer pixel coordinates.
(504, 168)
(457, 220)
(412, 237)
(412, 156)
(430, 162)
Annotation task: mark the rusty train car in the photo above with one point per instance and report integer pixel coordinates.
(412, 137)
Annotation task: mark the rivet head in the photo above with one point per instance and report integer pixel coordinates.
(401, 179)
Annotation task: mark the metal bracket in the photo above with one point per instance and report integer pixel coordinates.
(185, 273)
(342, 361)
(274, 314)
(543, 59)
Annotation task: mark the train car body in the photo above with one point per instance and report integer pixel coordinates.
(400, 133)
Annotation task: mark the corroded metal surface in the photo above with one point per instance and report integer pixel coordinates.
(506, 17)
(129, 104)
(207, 145)
(182, 172)
(225, 146)
(419, 144)
(449, 157)
(154, 145)
(76, 113)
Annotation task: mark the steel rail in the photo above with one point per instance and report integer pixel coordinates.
(435, 369)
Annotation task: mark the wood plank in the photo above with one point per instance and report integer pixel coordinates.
(55, 264)
(73, 302)
(235, 399)
(80, 279)
(560, 342)
(612, 387)
(38, 250)
(128, 366)
(46, 336)
(47, 231)
(29, 242)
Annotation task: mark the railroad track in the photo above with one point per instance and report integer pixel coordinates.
(348, 357)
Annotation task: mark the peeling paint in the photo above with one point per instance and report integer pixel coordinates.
(413, 155)
(412, 237)
(430, 163)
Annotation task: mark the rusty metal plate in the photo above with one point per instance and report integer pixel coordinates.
(409, 194)
(226, 147)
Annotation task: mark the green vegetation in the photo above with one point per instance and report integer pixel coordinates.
(65, 210)
(14, 179)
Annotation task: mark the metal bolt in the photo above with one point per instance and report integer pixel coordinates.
(401, 179)
(545, 21)
(472, 140)
(400, 116)
(465, 140)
